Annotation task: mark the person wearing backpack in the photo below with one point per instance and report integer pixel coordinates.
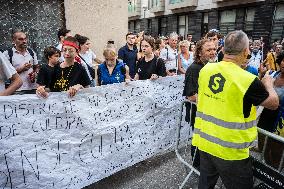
(169, 55)
(24, 61)
(87, 57)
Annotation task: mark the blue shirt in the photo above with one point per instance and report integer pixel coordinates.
(252, 70)
(117, 75)
(129, 57)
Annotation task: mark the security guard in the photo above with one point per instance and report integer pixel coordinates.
(225, 125)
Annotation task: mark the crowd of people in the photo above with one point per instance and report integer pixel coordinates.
(233, 74)
(142, 57)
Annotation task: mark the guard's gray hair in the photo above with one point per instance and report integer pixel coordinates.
(236, 42)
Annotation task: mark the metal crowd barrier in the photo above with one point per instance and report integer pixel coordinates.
(268, 176)
(189, 166)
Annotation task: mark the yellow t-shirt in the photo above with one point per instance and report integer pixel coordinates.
(271, 61)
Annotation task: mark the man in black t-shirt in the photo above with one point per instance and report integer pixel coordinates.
(205, 52)
(128, 53)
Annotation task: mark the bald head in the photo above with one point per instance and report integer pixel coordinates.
(20, 40)
(236, 42)
(16, 33)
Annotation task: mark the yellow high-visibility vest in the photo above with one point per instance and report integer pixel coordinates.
(220, 126)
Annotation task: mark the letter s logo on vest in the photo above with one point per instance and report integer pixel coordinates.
(216, 83)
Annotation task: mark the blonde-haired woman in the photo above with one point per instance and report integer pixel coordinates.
(185, 57)
(111, 70)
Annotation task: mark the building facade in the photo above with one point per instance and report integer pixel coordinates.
(258, 18)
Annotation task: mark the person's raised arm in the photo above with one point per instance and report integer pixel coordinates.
(272, 101)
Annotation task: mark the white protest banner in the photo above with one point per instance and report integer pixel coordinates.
(60, 142)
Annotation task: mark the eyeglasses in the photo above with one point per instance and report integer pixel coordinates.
(69, 50)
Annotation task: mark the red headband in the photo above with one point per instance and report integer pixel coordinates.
(72, 44)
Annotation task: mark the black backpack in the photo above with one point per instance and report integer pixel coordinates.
(91, 70)
(10, 54)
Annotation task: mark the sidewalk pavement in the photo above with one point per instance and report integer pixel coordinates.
(159, 172)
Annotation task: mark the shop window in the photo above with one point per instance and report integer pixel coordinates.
(277, 32)
(182, 25)
(204, 24)
(137, 26)
(249, 19)
(227, 21)
(279, 13)
(149, 24)
(175, 1)
(163, 26)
